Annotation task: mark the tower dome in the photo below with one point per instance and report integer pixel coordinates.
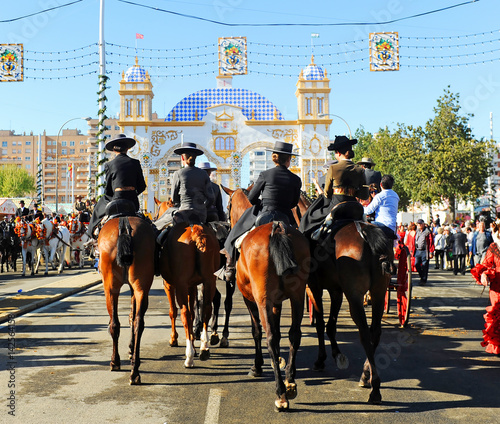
(313, 72)
(135, 73)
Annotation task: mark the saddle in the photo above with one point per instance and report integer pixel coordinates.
(339, 216)
(271, 216)
(120, 207)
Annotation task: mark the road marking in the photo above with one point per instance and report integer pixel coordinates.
(212, 414)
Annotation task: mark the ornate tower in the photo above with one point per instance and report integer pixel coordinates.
(313, 90)
(136, 95)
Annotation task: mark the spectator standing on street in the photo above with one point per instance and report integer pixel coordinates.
(458, 241)
(424, 250)
(480, 242)
(439, 248)
(409, 241)
(448, 254)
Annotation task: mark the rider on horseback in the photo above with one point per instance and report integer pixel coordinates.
(124, 179)
(191, 190)
(345, 181)
(280, 190)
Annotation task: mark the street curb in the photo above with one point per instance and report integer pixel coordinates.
(20, 304)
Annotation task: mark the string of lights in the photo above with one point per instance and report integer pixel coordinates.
(30, 77)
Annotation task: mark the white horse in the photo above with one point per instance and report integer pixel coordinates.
(29, 243)
(78, 240)
(53, 241)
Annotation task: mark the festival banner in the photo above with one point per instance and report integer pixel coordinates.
(232, 56)
(11, 62)
(384, 51)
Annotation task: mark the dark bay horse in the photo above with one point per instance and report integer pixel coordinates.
(189, 257)
(273, 266)
(127, 257)
(350, 263)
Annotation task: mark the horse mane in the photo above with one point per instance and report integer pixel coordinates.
(281, 250)
(306, 196)
(199, 237)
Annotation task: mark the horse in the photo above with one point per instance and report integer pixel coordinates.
(29, 243)
(273, 266)
(127, 246)
(10, 247)
(351, 262)
(78, 239)
(55, 240)
(189, 257)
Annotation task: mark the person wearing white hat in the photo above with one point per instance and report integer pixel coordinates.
(124, 179)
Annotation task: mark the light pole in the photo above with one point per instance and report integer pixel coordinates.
(323, 115)
(57, 157)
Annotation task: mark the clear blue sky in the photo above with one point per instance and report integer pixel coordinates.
(362, 98)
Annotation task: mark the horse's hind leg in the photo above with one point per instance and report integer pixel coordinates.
(228, 306)
(131, 318)
(208, 295)
(114, 324)
(336, 297)
(256, 370)
(359, 317)
(320, 331)
(214, 337)
(272, 314)
(294, 336)
(170, 292)
(142, 302)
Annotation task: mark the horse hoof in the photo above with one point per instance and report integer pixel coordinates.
(282, 363)
(45, 273)
(214, 339)
(188, 363)
(364, 383)
(291, 390)
(115, 367)
(319, 366)
(375, 398)
(224, 342)
(204, 355)
(254, 372)
(342, 361)
(134, 381)
(282, 405)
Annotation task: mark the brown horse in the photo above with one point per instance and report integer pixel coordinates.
(189, 257)
(273, 266)
(350, 264)
(127, 257)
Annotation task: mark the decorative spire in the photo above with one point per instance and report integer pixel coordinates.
(312, 59)
(136, 61)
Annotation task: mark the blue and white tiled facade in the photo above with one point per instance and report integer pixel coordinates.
(135, 74)
(313, 73)
(194, 106)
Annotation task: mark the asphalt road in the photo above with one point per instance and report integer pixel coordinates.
(434, 371)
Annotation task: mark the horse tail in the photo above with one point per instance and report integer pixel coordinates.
(199, 237)
(281, 250)
(380, 245)
(124, 245)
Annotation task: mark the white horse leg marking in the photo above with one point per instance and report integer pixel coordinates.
(189, 363)
(204, 340)
(213, 406)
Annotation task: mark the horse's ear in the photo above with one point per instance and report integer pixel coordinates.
(250, 187)
(157, 202)
(228, 191)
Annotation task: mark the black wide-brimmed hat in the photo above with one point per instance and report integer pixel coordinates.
(341, 141)
(207, 166)
(282, 147)
(121, 140)
(187, 147)
(366, 161)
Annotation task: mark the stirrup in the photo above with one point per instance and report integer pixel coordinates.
(161, 236)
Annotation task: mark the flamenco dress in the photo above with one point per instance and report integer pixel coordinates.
(491, 267)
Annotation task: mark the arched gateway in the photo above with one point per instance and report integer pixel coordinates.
(226, 123)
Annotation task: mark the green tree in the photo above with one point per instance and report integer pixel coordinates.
(460, 164)
(15, 182)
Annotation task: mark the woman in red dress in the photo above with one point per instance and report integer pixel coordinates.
(488, 273)
(409, 241)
